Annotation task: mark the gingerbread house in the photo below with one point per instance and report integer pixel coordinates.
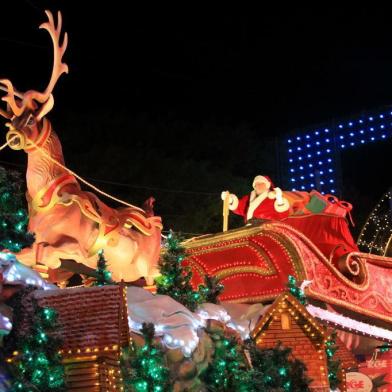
(94, 328)
(288, 321)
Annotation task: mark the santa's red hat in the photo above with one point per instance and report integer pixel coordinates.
(263, 179)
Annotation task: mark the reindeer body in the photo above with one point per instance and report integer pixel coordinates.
(70, 223)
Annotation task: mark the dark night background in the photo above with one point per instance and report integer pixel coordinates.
(184, 103)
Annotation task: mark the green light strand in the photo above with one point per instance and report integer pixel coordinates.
(38, 365)
(143, 368)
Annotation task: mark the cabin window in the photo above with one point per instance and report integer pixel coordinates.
(285, 320)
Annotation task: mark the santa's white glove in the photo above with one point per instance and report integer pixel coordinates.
(278, 195)
(224, 194)
(233, 200)
(281, 203)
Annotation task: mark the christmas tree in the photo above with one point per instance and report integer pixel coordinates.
(273, 370)
(175, 278)
(13, 216)
(228, 370)
(104, 277)
(211, 289)
(37, 365)
(143, 368)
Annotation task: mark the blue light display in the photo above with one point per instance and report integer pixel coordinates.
(312, 156)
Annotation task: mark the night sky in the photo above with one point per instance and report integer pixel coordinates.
(166, 79)
(280, 69)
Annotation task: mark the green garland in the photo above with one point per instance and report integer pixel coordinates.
(143, 368)
(333, 365)
(175, 278)
(13, 215)
(384, 348)
(296, 291)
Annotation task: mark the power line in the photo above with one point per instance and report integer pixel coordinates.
(152, 188)
(33, 5)
(122, 184)
(133, 186)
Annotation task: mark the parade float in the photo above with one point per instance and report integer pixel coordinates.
(288, 302)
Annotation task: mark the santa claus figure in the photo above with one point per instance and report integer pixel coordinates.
(264, 202)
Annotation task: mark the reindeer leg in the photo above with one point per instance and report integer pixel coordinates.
(149, 280)
(31, 257)
(27, 256)
(152, 273)
(151, 277)
(39, 252)
(60, 276)
(52, 255)
(45, 256)
(40, 267)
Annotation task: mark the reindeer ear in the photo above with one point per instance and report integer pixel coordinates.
(45, 108)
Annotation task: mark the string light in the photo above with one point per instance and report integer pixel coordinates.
(376, 235)
(37, 361)
(349, 323)
(13, 216)
(365, 129)
(143, 368)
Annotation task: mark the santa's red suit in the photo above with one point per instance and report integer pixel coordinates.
(329, 232)
(267, 205)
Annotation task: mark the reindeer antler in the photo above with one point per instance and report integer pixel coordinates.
(58, 51)
(46, 97)
(10, 99)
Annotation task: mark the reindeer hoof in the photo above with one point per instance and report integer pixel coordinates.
(53, 264)
(150, 280)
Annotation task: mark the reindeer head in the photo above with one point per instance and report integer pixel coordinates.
(26, 111)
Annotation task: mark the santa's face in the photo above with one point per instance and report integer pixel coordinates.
(260, 187)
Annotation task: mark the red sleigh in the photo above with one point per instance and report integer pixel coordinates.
(313, 244)
(254, 263)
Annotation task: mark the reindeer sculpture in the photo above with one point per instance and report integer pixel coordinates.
(71, 224)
